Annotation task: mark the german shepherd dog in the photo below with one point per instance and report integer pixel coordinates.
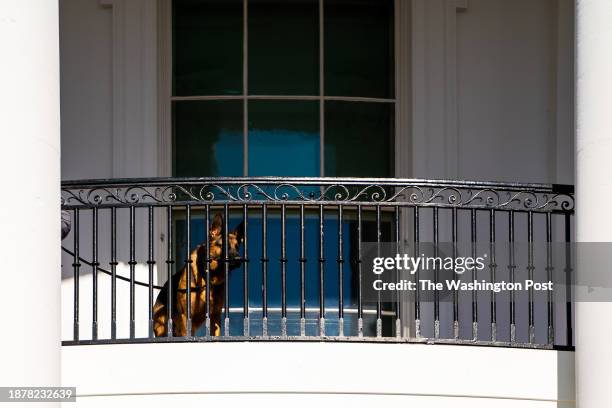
(198, 284)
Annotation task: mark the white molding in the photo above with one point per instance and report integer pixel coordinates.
(403, 91)
(435, 133)
(118, 42)
(563, 137)
(403, 130)
(434, 76)
(452, 86)
(134, 43)
(552, 155)
(135, 139)
(164, 116)
(164, 83)
(419, 86)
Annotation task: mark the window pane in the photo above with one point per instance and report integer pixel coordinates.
(359, 48)
(358, 139)
(283, 138)
(207, 47)
(207, 138)
(283, 47)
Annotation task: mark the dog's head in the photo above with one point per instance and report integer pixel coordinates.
(235, 238)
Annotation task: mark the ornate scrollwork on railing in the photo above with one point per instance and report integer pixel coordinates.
(488, 198)
(316, 191)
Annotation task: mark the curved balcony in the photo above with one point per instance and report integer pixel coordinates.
(300, 267)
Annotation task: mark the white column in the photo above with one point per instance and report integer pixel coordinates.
(30, 195)
(594, 191)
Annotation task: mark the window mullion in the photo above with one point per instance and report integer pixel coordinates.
(321, 91)
(245, 87)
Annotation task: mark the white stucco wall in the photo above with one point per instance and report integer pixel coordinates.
(493, 90)
(318, 374)
(86, 89)
(515, 90)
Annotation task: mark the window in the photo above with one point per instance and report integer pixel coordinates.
(284, 88)
(307, 83)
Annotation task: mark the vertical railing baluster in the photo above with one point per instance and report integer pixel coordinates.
(76, 264)
(492, 269)
(474, 293)
(549, 277)
(455, 291)
(436, 273)
(226, 301)
(113, 267)
(530, 268)
(113, 264)
(378, 300)
(245, 270)
(188, 321)
(359, 275)
(340, 273)
(283, 265)
(151, 264)
(398, 305)
(94, 277)
(132, 263)
(511, 268)
(321, 274)
(207, 328)
(417, 292)
(568, 279)
(169, 270)
(264, 269)
(302, 274)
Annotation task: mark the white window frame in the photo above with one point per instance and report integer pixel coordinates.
(401, 101)
(403, 126)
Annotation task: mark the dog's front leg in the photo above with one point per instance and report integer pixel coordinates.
(216, 305)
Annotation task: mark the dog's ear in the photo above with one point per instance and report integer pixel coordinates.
(217, 224)
(238, 232)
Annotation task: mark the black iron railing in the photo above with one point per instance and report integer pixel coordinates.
(296, 270)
